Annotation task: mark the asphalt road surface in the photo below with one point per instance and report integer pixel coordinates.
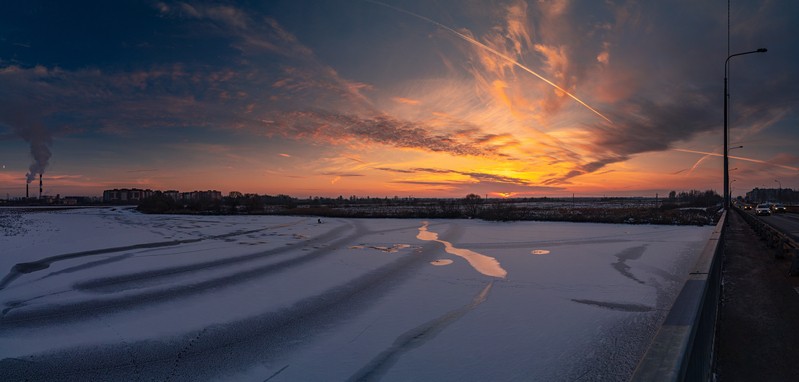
(785, 222)
(759, 316)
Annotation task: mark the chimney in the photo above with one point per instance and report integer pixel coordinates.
(40, 185)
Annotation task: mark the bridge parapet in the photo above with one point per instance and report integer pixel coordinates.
(683, 347)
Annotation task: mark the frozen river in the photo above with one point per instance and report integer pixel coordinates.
(111, 294)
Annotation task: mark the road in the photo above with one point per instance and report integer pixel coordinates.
(785, 222)
(757, 336)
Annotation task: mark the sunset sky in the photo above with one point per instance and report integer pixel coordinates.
(425, 98)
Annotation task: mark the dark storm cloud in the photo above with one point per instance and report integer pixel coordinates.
(426, 183)
(382, 129)
(652, 126)
(473, 176)
(397, 170)
(646, 126)
(484, 187)
(94, 99)
(341, 174)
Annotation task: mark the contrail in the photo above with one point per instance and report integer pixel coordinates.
(691, 170)
(486, 47)
(739, 158)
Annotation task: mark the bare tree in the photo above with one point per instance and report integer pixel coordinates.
(472, 205)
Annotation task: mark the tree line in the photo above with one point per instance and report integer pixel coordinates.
(610, 210)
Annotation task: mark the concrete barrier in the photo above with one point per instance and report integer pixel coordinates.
(682, 350)
(784, 244)
(794, 270)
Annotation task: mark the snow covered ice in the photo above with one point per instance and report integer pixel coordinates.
(111, 294)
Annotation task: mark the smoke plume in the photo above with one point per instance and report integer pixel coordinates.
(40, 151)
(37, 136)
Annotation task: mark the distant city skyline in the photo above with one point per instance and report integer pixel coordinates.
(382, 99)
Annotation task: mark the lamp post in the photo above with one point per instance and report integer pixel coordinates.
(779, 192)
(726, 156)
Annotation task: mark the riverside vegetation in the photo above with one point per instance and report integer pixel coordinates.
(685, 208)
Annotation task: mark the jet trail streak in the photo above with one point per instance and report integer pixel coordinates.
(739, 158)
(486, 47)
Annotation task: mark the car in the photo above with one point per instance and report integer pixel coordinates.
(763, 209)
(748, 207)
(777, 208)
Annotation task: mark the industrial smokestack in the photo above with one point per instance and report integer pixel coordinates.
(40, 185)
(27, 190)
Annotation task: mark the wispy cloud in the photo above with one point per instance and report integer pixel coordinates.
(341, 174)
(383, 129)
(470, 176)
(407, 101)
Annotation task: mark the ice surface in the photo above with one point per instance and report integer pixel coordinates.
(110, 294)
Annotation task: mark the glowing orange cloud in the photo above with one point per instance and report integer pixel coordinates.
(407, 101)
(499, 54)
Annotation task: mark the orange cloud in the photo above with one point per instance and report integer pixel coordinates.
(406, 101)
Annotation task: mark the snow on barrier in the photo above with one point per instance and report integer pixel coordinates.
(683, 347)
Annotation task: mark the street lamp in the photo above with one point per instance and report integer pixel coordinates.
(779, 192)
(726, 156)
(734, 180)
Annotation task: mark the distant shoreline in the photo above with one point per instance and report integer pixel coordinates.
(587, 210)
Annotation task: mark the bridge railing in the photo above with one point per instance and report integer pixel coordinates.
(784, 245)
(683, 347)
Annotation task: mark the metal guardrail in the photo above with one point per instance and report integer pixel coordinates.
(682, 350)
(783, 244)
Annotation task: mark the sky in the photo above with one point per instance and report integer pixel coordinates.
(420, 98)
